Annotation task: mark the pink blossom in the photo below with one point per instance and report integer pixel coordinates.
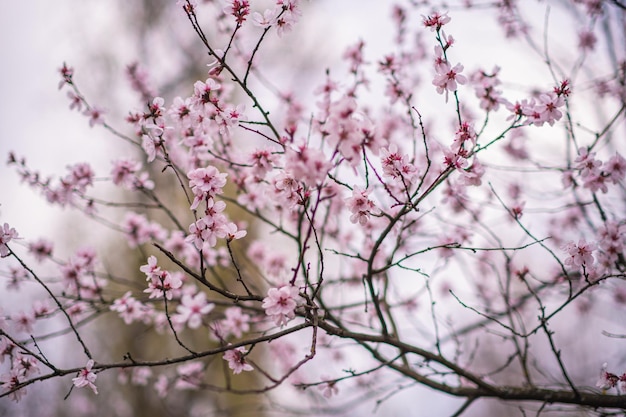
(139, 231)
(140, 81)
(161, 283)
(397, 166)
(548, 108)
(86, 377)
(473, 174)
(230, 117)
(485, 89)
(257, 251)
(181, 110)
(280, 304)
(76, 101)
(26, 364)
(360, 206)
(464, 138)
(150, 146)
(6, 348)
(124, 171)
(41, 308)
(196, 233)
(287, 189)
(161, 386)
(262, 161)
(448, 79)
(81, 176)
(236, 322)
(581, 254)
(240, 9)
(436, 20)
(454, 159)
(11, 381)
(95, 115)
(151, 267)
(441, 63)
(192, 310)
(205, 183)
(354, 56)
(209, 228)
(189, 5)
(615, 168)
(612, 239)
(517, 209)
(308, 165)
(129, 308)
(587, 40)
(143, 182)
(607, 380)
(232, 232)
(17, 275)
(41, 249)
(141, 375)
(622, 382)
(202, 91)
(275, 263)
(290, 16)
(237, 360)
(77, 310)
(254, 197)
(587, 163)
(23, 322)
(510, 20)
(265, 20)
(596, 182)
(7, 233)
(66, 75)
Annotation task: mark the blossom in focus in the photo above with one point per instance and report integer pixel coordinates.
(280, 304)
(448, 79)
(580, 254)
(360, 206)
(237, 360)
(86, 377)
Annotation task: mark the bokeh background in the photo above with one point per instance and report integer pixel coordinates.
(99, 39)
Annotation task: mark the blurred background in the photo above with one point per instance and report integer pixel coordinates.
(100, 39)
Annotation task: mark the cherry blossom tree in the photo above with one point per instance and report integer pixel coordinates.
(415, 220)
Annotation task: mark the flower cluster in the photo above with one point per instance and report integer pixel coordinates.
(239, 9)
(130, 309)
(595, 174)
(205, 184)
(360, 206)
(547, 108)
(397, 165)
(69, 190)
(432, 190)
(280, 304)
(161, 283)
(447, 77)
(127, 173)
